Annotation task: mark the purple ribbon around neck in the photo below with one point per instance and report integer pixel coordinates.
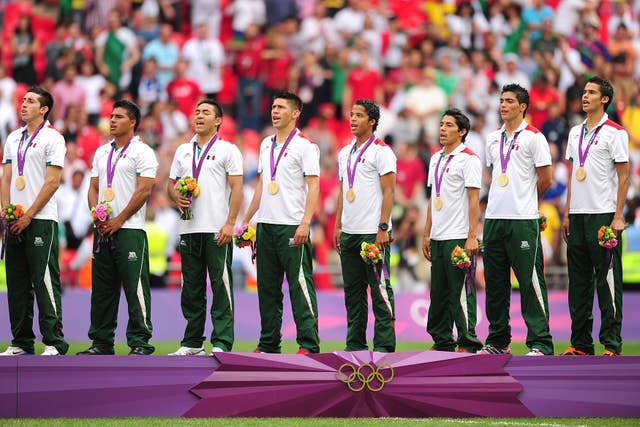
(470, 276)
(111, 169)
(197, 167)
(504, 160)
(438, 178)
(274, 164)
(582, 155)
(351, 173)
(22, 156)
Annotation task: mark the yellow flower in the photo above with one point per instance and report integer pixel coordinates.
(363, 246)
(245, 235)
(196, 191)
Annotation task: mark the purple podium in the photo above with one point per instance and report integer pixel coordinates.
(340, 384)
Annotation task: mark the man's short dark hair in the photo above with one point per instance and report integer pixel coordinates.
(216, 107)
(44, 97)
(461, 120)
(372, 109)
(606, 88)
(133, 111)
(291, 97)
(521, 95)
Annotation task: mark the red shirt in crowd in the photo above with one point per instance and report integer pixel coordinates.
(185, 93)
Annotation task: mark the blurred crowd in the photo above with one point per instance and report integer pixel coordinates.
(414, 58)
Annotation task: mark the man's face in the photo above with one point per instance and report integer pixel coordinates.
(592, 99)
(283, 113)
(510, 108)
(205, 120)
(120, 123)
(31, 109)
(359, 121)
(450, 133)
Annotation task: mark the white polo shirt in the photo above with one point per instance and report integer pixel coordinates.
(211, 208)
(598, 193)
(519, 198)
(48, 149)
(464, 170)
(362, 216)
(138, 160)
(301, 159)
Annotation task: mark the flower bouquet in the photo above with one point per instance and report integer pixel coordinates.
(245, 236)
(606, 237)
(100, 213)
(10, 214)
(459, 258)
(370, 253)
(542, 220)
(189, 188)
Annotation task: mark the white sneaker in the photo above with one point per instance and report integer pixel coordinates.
(50, 350)
(535, 352)
(188, 351)
(13, 351)
(216, 350)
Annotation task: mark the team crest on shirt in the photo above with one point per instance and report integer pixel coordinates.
(38, 242)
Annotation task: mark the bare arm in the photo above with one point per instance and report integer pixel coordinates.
(337, 230)
(426, 241)
(313, 191)
(388, 185)
(92, 195)
(138, 199)
(471, 245)
(255, 202)
(5, 192)
(226, 232)
(182, 202)
(50, 186)
(622, 169)
(544, 180)
(567, 207)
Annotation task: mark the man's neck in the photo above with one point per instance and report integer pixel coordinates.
(362, 139)
(121, 141)
(202, 139)
(593, 118)
(33, 125)
(448, 149)
(283, 133)
(512, 125)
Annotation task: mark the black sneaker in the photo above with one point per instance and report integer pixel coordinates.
(140, 351)
(96, 351)
(489, 349)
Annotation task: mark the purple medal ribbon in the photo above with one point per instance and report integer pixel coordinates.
(274, 166)
(470, 276)
(504, 160)
(111, 170)
(22, 156)
(351, 173)
(196, 168)
(582, 155)
(438, 178)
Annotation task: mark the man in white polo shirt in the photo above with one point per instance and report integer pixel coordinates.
(521, 161)
(205, 240)
(367, 170)
(455, 176)
(598, 152)
(123, 173)
(285, 200)
(32, 169)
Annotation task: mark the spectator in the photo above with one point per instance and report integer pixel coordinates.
(8, 118)
(24, 46)
(363, 82)
(425, 115)
(510, 73)
(247, 66)
(165, 52)
(116, 51)
(206, 58)
(68, 92)
(183, 91)
(92, 83)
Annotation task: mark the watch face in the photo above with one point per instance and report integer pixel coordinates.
(383, 226)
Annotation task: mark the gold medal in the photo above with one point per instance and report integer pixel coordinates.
(272, 188)
(20, 183)
(437, 203)
(109, 195)
(503, 180)
(351, 195)
(581, 174)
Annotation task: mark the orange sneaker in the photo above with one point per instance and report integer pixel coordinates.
(571, 351)
(609, 353)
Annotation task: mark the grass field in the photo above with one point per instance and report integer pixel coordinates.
(164, 348)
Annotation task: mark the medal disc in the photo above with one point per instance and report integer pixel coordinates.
(437, 203)
(351, 195)
(581, 174)
(503, 180)
(20, 183)
(109, 195)
(272, 188)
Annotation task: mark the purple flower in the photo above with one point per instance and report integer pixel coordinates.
(238, 230)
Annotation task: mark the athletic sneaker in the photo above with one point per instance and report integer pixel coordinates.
(302, 351)
(489, 349)
(257, 350)
(610, 353)
(534, 352)
(572, 351)
(216, 350)
(50, 350)
(188, 351)
(14, 351)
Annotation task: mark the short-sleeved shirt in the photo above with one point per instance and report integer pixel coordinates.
(301, 159)
(598, 193)
(211, 208)
(362, 216)
(48, 149)
(138, 160)
(519, 198)
(463, 171)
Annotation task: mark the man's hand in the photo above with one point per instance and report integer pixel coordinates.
(426, 248)
(617, 225)
(225, 235)
(565, 228)
(21, 224)
(302, 235)
(110, 226)
(471, 246)
(337, 234)
(382, 239)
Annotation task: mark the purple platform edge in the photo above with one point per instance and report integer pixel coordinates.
(425, 384)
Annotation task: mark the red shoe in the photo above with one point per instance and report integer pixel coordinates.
(257, 350)
(302, 351)
(609, 353)
(571, 351)
(462, 350)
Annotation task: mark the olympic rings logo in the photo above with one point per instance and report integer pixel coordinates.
(367, 375)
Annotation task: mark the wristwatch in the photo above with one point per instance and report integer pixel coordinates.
(383, 226)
